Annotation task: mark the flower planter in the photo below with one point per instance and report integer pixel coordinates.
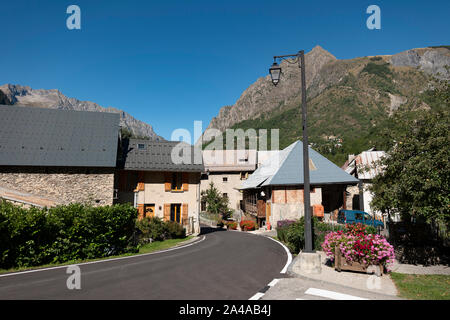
(340, 263)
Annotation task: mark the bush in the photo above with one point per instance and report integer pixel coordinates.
(292, 233)
(282, 227)
(32, 237)
(151, 229)
(231, 225)
(175, 230)
(154, 229)
(248, 225)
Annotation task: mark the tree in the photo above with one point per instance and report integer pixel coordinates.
(215, 202)
(416, 173)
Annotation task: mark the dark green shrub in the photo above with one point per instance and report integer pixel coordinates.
(293, 233)
(151, 229)
(155, 229)
(175, 230)
(295, 236)
(32, 237)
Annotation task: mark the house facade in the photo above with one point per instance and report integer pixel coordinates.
(50, 157)
(274, 192)
(226, 169)
(150, 179)
(365, 167)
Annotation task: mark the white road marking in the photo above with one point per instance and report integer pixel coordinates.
(101, 261)
(331, 294)
(288, 253)
(257, 296)
(273, 282)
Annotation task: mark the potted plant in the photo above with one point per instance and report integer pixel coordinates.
(356, 250)
(247, 225)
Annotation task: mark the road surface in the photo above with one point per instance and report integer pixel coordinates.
(224, 265)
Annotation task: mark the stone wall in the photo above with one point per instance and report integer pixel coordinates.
(63, 185)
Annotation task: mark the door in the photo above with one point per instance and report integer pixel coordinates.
(175, 212)
(149, 211)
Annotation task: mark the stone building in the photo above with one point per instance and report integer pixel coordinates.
(226, 169)
(274, 192)
(150, 177)
(52, 156)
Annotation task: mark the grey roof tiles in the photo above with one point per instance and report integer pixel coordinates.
(157, 156)
(31, 136)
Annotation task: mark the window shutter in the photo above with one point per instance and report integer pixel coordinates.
(185, 214)
(185, 180)
(140, 211)
(167, 181)
(166, 212)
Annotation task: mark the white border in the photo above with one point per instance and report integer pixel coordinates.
(284, 270)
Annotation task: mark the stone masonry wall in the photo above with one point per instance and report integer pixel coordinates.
(63, 185)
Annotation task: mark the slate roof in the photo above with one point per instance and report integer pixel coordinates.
(157, 156)
(229, 160)
(31, 136)
(286, 168)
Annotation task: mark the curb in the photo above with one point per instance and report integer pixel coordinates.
(293, 274)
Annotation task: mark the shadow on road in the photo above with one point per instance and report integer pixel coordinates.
(204, 229)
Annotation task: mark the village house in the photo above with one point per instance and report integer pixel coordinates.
(50, 157)
(150, 179)
(226, 169)
(274, 192)
(365, 167)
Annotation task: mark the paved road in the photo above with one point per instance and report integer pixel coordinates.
(225, 265)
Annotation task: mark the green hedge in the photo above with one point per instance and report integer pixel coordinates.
(293, 233)
(32, 237)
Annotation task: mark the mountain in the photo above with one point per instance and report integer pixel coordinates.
(54, 99)
(349, 101)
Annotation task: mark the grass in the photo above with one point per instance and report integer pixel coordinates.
(422, 287)
(147, 248)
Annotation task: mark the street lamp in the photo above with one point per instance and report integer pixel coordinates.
(275, 74)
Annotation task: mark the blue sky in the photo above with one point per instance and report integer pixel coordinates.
(169, 63)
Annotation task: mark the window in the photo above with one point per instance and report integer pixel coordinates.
(224, 179)
(244, 175)
(141, 146)
(177, 183)
(358, 216)
(225, 195)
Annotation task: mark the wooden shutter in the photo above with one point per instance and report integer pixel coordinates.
(166, 212)
(167, 181)
(140, 211)
(185, 181)
(185, 214)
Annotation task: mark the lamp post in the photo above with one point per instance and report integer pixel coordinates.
(275, 74)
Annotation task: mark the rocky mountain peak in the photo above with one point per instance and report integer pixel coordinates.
(54, 99)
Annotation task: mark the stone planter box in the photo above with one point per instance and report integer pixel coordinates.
(340, 263)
